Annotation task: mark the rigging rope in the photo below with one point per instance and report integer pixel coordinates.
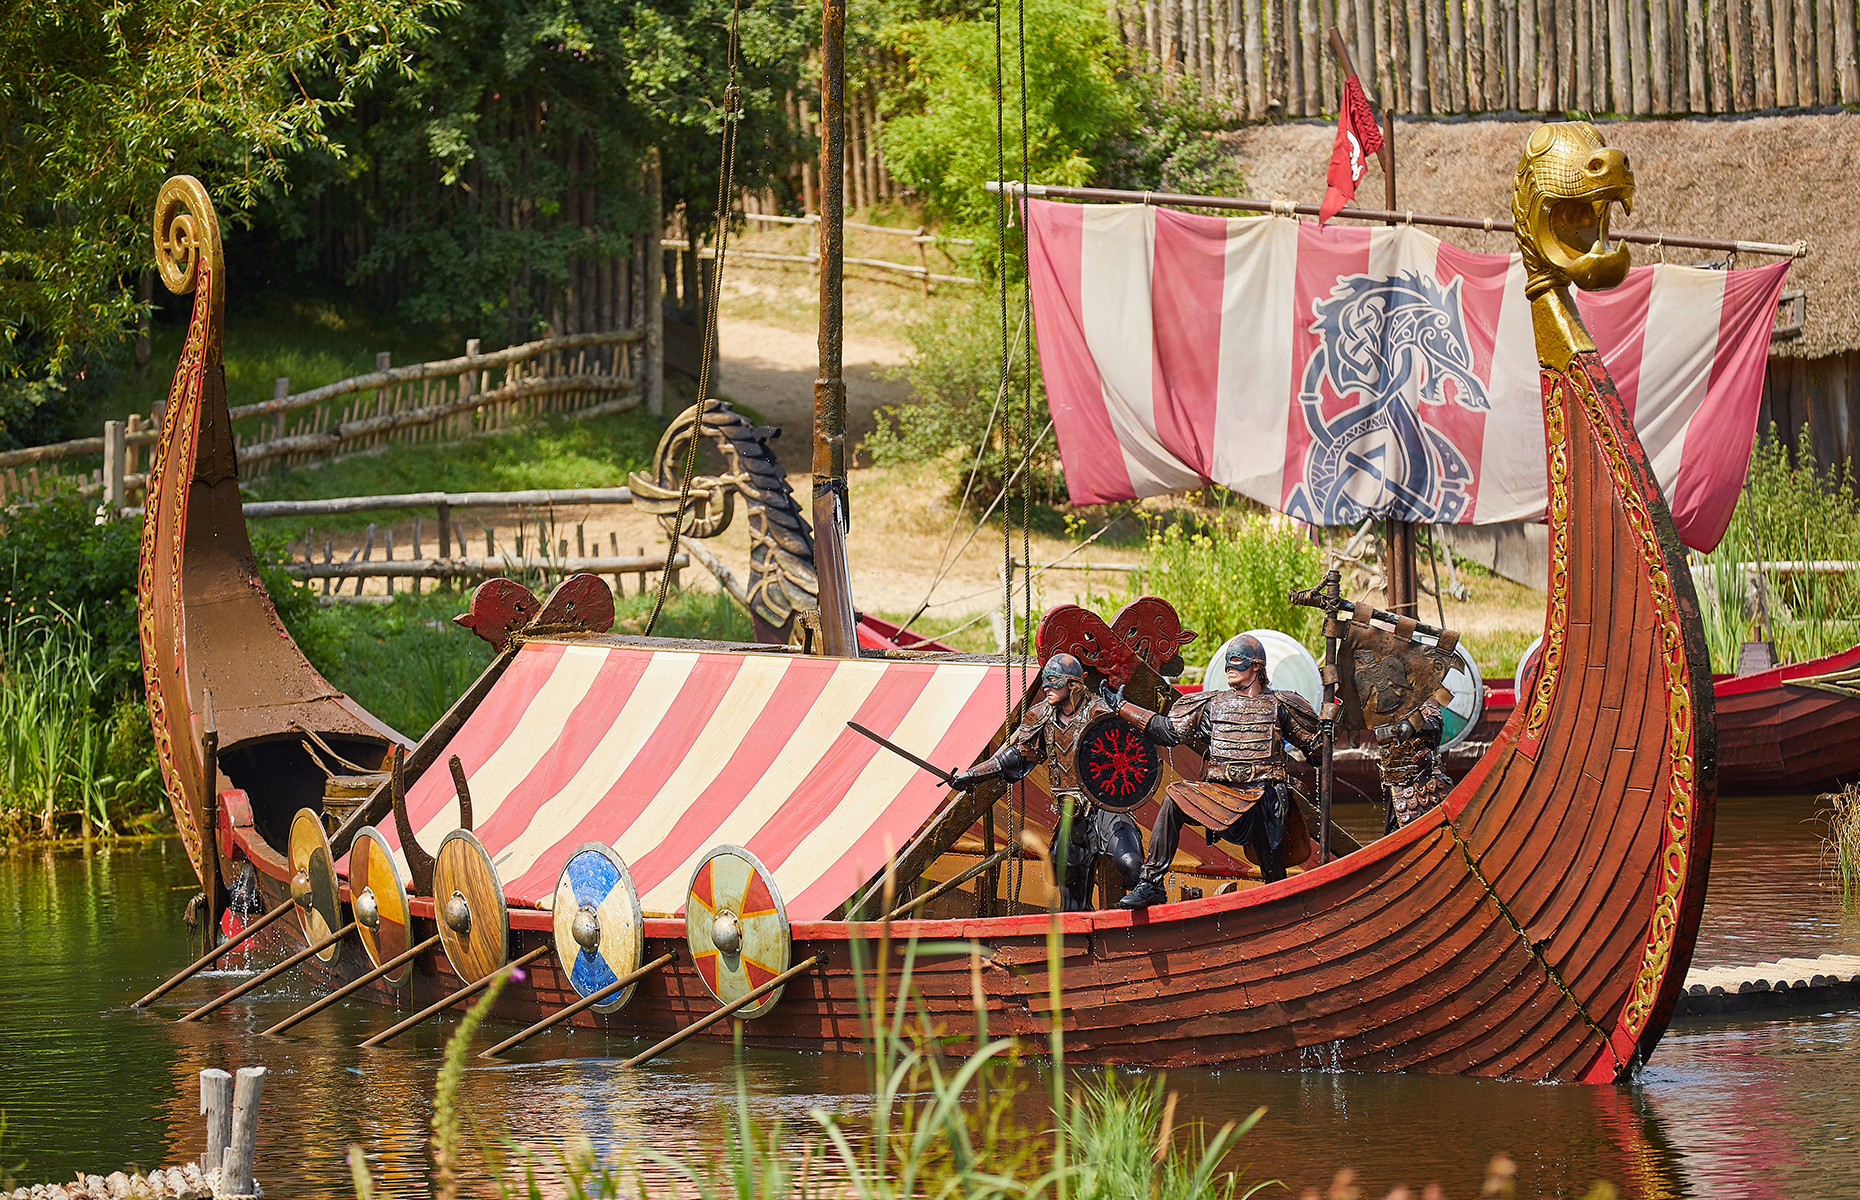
(945, 564)
(1026, 429)
(726, 187)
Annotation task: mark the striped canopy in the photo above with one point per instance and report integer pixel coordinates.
(666, 754)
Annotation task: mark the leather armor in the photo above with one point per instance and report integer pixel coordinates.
(1046, 735)
(1412, 781)
(1242, 737)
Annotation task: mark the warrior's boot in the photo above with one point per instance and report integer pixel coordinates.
(1146, 893)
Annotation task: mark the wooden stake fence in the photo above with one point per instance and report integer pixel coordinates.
(1265, 58)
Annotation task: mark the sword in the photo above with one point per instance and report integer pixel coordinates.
(901, 752)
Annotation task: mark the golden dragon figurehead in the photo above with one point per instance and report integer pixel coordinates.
(1568, 182)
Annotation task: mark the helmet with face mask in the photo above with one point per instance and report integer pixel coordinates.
(1062, 670)
(1246, 652)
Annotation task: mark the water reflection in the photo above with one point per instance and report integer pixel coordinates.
(1727, 1108)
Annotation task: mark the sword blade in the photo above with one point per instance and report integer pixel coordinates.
(901, 752)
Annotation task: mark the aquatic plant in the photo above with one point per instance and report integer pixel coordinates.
(54, 746)
(1842, 841)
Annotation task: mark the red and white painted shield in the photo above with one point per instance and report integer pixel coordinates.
(736, 927)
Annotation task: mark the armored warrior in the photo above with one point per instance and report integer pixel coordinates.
(1245, 792)
(1049, 732)
(1412, 781)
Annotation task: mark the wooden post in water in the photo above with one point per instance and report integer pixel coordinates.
(236, 1164)
(216, 1089)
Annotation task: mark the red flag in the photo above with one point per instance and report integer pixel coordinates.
(1357, 139)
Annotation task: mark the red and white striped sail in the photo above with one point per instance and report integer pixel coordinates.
(1336, 372)
(666, 754)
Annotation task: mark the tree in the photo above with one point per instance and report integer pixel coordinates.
(100, 100)
(510, 155)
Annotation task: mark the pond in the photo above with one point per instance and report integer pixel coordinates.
(1753, 1107)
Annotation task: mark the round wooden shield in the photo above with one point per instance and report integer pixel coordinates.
(468, 899)
(600, 932)
(379, 901)
(313, 881)
(736, 927)
(1118, 767)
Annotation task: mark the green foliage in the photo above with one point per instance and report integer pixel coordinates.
(1227, 574)
(955, 376)
(103, 101)
(1791, 513)
(559, 453)
(58, 560)
(516, 141)
(56, 748)
(1090, 118)
(405, 662)
(942, 139)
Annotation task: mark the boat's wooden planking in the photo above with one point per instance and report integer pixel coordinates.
(215, 655)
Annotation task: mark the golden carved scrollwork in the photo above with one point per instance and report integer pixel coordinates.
(188, 255)
(187, 249)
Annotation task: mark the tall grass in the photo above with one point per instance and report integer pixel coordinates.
(54, 745)
(1789, 513)
(1224, 574)
(1842, 841)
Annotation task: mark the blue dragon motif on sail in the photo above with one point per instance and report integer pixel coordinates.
(1387, 343)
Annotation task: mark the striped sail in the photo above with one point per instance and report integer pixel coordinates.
(665, 754)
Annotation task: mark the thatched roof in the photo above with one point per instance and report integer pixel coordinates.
(1762, 179)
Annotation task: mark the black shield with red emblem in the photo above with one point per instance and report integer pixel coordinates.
(1117, 768)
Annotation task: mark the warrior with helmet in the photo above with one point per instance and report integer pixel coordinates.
(1245, 792)
(1049, 733)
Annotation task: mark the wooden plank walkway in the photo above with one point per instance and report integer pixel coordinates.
(1832, 980)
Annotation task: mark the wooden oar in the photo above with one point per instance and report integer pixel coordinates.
(587, 1001)
(991, 861)
(317, 1006)
(746, 999)
(273, 973)
(464, 993)
(217, 952)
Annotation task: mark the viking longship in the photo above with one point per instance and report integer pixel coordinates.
(657, 828)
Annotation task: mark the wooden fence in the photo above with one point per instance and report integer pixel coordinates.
(921, 240)
(1271, 58)
(582, 374)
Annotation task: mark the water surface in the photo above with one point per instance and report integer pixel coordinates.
(1727, 1107)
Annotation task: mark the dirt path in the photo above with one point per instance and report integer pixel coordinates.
(901, 517)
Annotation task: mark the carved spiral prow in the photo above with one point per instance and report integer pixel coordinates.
(187, 251)
(781, 544)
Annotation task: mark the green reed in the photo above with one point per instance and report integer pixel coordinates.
(1842, 841)
(940, 1126)
(1800, 519)
(53, 742)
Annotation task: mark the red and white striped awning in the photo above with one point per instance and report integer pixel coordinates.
(666, 754)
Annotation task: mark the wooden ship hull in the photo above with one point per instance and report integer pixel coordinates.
(1537, 925)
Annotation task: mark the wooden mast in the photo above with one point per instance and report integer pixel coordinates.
(831, 516)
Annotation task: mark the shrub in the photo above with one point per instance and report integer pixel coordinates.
(1225, 574)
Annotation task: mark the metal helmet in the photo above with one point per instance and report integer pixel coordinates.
(1246, 652)
(1061, 670)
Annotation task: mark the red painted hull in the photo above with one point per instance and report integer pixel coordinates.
(1536, 926)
